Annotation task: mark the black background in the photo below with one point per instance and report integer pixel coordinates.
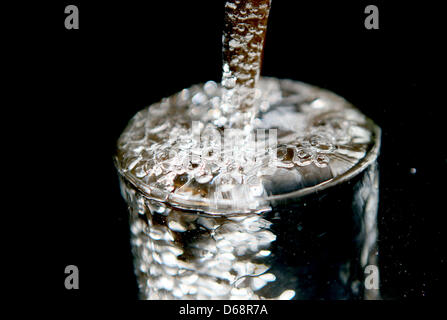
(86, 84)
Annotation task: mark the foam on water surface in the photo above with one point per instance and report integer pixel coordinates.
(180, 152)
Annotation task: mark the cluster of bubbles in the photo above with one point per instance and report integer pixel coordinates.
(181, 254)
(189, 256)
(244, 32)
(179, 146)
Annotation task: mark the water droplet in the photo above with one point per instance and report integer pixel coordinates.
(321, 160)
(281, 152)
(210, 88)
(302, 157)
(199, 98)
(203, 177)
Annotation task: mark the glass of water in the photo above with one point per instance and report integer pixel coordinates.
(283, 209)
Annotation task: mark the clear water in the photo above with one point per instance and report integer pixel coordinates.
(243, 41)
(297, 250)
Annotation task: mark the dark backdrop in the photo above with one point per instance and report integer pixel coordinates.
(126, 55)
